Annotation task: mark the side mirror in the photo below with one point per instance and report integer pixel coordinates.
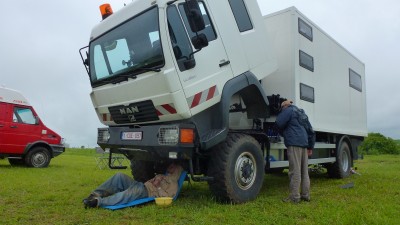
(85, 61)
(195, 18)
(200, 41)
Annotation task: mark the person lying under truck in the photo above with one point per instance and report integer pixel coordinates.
(121, 188)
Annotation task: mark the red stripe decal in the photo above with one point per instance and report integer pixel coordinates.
(169, 108)
(196, 100)
(158, 113)
(211, 93)
(104, 117)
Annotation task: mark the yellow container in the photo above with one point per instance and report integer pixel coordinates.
(164, 201)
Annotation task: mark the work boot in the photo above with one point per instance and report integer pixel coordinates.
(90, 203)
(291, 200)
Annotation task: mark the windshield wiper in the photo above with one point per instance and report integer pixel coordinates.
(134, 72)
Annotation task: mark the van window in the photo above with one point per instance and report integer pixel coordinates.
(305, 30)
(355, 80)
(209, 31)
(306, 93)
(241, 15)
(306, 61)
(23, 115)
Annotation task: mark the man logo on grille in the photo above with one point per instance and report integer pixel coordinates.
(129, 110)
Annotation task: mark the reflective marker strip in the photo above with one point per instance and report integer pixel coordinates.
(202, 97)
(165, 109)
(107, 117)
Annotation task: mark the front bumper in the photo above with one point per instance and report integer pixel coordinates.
(57, 149)
(148, 142)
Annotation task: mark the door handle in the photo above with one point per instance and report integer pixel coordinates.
(225, 63)
(1, 125)
(13, 126)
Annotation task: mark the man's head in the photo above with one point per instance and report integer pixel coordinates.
(286, 104)
(174, 170)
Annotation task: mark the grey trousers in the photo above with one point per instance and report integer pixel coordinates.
(298, 173)
(121, 189)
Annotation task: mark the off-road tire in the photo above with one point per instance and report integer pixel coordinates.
(237, 166)
(341, 168)
(142, 171)
(38, 157)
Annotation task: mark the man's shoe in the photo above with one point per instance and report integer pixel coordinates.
(90, 203)
(306, 199)
(291, 200)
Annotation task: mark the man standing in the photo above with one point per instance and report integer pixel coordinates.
(121, 189)
(297, 141)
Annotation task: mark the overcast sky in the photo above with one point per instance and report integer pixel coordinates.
(39, 56)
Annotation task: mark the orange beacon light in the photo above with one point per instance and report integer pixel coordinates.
(105, 10)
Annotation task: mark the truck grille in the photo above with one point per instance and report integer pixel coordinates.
(134, 113)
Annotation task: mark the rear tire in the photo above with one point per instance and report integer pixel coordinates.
(341, 168)
(38, 157)
(237, 166)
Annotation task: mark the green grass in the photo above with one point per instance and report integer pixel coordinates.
(54, 195)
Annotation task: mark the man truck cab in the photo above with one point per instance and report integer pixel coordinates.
(24, 139)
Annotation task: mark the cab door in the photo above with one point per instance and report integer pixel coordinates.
(202, 82)
(21, 128)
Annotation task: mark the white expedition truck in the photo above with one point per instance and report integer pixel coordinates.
(201, 82)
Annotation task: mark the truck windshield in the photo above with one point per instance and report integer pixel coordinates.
(127, 50)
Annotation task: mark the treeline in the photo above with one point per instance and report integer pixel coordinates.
(376, 144)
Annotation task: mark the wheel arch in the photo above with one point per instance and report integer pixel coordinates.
(213, 123)
(31, 146)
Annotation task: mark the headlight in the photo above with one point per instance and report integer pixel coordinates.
(103, 135)
(168, 135)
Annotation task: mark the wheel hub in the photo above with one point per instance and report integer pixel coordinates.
(38, 159)
(245, 170)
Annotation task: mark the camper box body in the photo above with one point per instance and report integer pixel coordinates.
(317, 74)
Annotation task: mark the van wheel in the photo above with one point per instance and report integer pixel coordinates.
(341, 168)
(237, 166)
(16, 162)
(38, 157)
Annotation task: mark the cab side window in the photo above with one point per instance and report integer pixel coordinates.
(241, 15)
(23, 115)
(179, 39)
(209, 30)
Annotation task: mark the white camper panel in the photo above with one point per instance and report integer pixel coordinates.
(331, 78)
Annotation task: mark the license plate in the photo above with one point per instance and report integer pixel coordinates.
(136, 136)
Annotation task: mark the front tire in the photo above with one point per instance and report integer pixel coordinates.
(341, 168)
(38, 157)
(142, 171)
(237, 167)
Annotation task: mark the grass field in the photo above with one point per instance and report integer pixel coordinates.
(54, 195)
